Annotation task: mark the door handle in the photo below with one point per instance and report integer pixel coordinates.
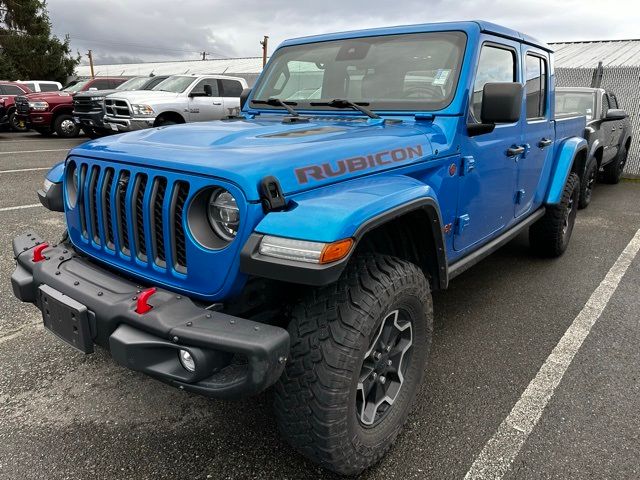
(544, 142)
(514, 151)
(217, 103)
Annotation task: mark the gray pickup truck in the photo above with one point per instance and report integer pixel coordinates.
(608, 133)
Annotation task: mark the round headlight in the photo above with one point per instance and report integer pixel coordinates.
(223, 214)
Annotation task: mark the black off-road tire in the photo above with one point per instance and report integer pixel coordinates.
(15, 124)
(331, 331)
(587, 183)
(45, 131)
(550, 235)
(65, 127)
(613, 172)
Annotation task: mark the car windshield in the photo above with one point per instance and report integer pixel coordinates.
(135, 83)
(175, 84)
(580, 103)
(75, 86)
(394, 72)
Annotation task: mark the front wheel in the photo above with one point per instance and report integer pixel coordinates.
(358, 353)
(550, 235)
(17, 125)
(65, 127)
(587, 183)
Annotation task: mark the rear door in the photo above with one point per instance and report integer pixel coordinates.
(538, 130)
(230, 90)
(485, 199)
(203, 108)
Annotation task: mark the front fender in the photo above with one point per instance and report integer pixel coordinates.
(345, 210)
(565, 156)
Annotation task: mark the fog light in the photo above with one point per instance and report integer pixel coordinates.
(187, 360)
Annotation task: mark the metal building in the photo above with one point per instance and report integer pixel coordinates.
(610, 64)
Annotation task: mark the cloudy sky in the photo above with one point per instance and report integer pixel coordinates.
(142, 30)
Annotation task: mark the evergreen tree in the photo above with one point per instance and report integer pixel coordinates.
(28, 50)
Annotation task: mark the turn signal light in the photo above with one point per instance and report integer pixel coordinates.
(332, 252)
(37, 252)
(142, 306)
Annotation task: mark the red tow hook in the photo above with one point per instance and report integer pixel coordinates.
(142, 306)
(37, 252)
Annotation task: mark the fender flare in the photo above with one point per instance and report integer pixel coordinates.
(593, 148)
(370, 203)
(565, 156)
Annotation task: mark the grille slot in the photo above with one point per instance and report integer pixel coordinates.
(137, 214)
(117, 108)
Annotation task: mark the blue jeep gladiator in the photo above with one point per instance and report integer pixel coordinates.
(297, 245)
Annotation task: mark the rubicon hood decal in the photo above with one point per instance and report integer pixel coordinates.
(356, 164)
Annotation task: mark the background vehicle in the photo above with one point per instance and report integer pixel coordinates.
(8, 92)
(41, 85)
(178, 99)
(3, 113)
(51, 112)
(298, 246)
(88, 107)
(608, 133)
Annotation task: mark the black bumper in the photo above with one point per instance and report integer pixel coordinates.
(235, 357)
(92, 120)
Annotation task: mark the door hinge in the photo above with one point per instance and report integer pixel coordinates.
(520, 196)
(468, 164)
(461, 223)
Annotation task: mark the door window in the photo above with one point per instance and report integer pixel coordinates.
(12, 90)
(613, 100)
(231, 88)
(496, 64)
(212, 82)
(605, 105)
(536, 86)
(49, 87)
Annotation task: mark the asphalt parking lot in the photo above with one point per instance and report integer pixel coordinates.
(65, 415)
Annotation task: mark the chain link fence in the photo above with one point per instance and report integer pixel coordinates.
(624, 82)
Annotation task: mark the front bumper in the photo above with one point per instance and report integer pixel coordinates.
(128, 124)
(90, 119)
(235, 357)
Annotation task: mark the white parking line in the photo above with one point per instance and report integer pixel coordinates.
(36, 151)
(25, 170)
(20, 207)
(499, 452)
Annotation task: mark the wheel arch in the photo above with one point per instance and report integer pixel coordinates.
(571, 154)
(170, 115)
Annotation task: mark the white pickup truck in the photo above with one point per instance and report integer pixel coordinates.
(178, 99)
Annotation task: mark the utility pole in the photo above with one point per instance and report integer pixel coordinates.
(264, 44)
(90, 55)
(204, 55)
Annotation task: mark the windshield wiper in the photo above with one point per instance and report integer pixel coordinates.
(276, 102)
(339, 103)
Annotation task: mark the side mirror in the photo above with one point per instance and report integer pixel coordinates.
(615, 114)
(244, 96)
(501, 102)
(208, 91)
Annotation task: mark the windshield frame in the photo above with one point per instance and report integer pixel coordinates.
(400, 106)
(173, 77)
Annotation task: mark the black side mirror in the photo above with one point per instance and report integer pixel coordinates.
(615, 114)
(501, 102)
(208, 91)
(244, 96)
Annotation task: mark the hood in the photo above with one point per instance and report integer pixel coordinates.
(95, 93)
(147, 95)
(300, 155)
(46, 96)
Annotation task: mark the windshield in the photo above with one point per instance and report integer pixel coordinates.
(394, 72)
(175, 84)
(580, 103)
(135, 83)
(75, 86)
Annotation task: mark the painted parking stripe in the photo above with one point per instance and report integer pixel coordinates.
(496, 457)
(36, 151)
(20, 207)
(25, 170)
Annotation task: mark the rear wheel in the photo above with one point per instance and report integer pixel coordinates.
(358, 353)
(65, 127)
(587, 183)
(550, 235)
(613, 172)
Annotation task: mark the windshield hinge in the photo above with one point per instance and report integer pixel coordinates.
(271, 194)
(424, 117)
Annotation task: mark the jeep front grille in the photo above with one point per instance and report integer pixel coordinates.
(117, 108)
(140, 215)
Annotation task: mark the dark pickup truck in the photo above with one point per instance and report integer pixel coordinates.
(608, 133)
(88, 107)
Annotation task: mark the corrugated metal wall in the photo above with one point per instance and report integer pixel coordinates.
(624, 82)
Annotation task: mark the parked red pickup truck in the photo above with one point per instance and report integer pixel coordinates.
(8, 93)
(51, 112)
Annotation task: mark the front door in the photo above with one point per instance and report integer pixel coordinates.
(205, 107)
(485, 199)
(538, 130)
